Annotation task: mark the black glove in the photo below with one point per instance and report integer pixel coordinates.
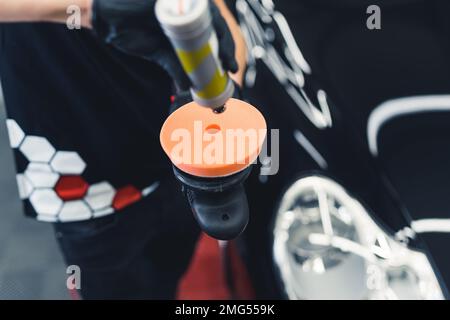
(131, 26)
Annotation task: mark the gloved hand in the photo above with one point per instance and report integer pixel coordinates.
(131, 26)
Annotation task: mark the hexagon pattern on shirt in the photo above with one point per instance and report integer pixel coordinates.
(41, 175)
(54, 185)
(66, 162)
(71, 188)
(74, 210)
(46, 201)
(15, 133)
(24, 185)
(37, 149)
(100, 196)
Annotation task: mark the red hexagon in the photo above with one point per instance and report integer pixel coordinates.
(71, 188)
(126, 196)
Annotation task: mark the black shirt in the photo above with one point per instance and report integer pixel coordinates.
(83, 119)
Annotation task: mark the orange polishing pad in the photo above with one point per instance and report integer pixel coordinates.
(204, 143)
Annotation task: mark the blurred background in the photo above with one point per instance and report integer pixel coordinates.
(31, 266)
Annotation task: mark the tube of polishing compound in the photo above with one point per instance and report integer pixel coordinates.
(188, 25)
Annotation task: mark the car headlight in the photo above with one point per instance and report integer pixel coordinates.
(327, 246)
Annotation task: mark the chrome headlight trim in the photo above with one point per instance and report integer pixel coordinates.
(345, 256)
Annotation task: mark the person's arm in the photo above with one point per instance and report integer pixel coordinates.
(56, 11)
(42, 10)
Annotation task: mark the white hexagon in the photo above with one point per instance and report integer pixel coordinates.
(103, 212)
(66, 162)
(24, 185)
(100, 195)
(15, 133)
(150, 189)
(41, 175)
(46, 202)
(74, 211)
(46, 218)
(37, 149)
